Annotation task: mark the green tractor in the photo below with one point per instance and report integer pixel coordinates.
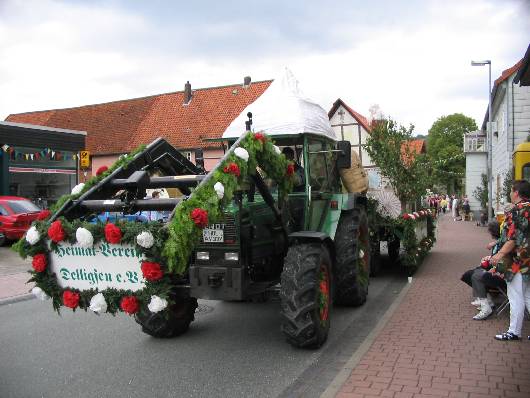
(313, 244)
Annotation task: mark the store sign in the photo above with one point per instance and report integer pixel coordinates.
(102, 266)
(84, 159)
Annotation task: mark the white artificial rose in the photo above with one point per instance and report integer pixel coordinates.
(145, 239)
(412, 216)
(39, 293)
(361, 254)
(98, 303)
(84, 238)
(277, 149)
(241, 153)
(219, 190)
(32, 236)
(157, 304)
(78, 188)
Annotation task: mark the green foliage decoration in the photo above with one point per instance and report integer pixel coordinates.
(47, 280)
(184, 234)
(408, 171)
(404, 229)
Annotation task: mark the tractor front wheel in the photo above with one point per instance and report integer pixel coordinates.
(305, 295)
(173, 321)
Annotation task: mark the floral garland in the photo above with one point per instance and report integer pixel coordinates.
(44, 237)
(205, 205)
(404, 228)
(166, 249)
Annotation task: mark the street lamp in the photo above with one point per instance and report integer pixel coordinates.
(489, 137)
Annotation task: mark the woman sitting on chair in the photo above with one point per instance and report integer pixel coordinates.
(480, 279)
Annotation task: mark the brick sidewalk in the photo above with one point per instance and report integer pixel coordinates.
(431, 346)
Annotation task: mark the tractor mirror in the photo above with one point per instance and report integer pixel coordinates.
(344, 158)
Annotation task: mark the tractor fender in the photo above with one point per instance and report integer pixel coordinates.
(313, 236)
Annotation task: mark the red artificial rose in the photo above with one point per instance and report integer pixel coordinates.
(70, 299)
(199, 217)
(260, 137)
(485, 263)
(290, 169)
(525, 214)
(515, 268)
(101, 170)
(129, 304)
(151, 271)
(56, 231)
(406, 216)
(232, 168)
(39, 262)
(511, 230)
(43, 215)
(112, 233)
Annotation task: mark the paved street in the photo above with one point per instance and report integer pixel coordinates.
(231, 350)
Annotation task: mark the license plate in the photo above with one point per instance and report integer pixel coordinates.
(212, 235)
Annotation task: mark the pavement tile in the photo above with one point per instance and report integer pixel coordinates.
(432, 347)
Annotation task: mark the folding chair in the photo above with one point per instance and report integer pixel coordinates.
(504, 301)
(502, 298)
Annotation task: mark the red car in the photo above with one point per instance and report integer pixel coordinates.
(16, 216)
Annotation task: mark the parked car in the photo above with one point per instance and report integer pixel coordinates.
(16, 216)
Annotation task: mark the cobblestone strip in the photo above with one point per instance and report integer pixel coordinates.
(431, 347)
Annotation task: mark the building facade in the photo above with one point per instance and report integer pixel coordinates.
(39, 163)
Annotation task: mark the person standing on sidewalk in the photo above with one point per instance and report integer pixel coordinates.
(513, 259)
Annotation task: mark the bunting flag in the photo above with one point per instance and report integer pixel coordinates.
(46, 153)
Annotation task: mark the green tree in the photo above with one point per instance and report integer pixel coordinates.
(445, 144)
(407, 171)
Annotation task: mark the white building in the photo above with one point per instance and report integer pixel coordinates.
(510, 126)
(354, 127)
(475, 151)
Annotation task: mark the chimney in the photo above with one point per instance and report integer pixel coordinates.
(187, 93)
(246, 82)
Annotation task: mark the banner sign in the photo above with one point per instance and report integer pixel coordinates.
(102, 266)
(84, 159)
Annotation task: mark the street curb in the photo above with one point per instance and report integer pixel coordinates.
(335, 386)
(16, 299)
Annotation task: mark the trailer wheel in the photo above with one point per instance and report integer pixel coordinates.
(173, 321)
(375, 258)
(393, 249)
(352, 269)
(305, 295)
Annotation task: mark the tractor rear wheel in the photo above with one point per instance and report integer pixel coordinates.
(305, 295)
(173, 321)
(352, 268)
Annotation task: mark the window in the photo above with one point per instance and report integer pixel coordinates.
(323, 173)
(526, 172)
(3, 211)
(22, 206)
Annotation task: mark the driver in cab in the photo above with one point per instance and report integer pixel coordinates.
(299, 174)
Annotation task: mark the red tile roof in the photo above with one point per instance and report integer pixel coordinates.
(120, 126)
(357, 116)
(411, 148)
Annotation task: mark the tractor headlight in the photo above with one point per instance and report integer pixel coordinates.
(231, 256)
(205, 256)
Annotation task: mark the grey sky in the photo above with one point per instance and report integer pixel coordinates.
(410, 57)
